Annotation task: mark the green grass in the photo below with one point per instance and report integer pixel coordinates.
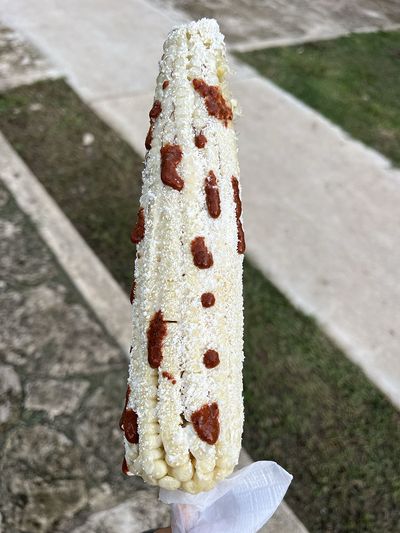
(354, 81)
(97, 186)
(307, 406)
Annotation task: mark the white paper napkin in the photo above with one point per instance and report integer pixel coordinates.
(242, 503)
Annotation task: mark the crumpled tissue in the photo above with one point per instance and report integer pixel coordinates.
(241, 503)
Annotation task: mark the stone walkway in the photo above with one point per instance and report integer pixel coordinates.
(61, 383)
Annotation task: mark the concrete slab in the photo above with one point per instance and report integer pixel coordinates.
(131, 516)
(322, 221)
(251, 24)
(100, 48)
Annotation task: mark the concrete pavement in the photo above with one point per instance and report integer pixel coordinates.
(252, 24)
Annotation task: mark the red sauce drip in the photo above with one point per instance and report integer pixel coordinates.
(155, 110)
(132, 292)
(153, 114)
(171, 155)
(125, 469)
(211, 359)
(121, 420)
(200, 140)
(169, 376)
(207, 299)
(137, 233)
(128, 421)
(156, 332)
(130, 426)
(236, 196)
(212, 195)
(149, 138)
(202, 257)
(215, 102)
(165, 84)
(241, 244)
(206, 423)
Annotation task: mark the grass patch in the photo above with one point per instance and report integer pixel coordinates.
(307, 406)
(353, 80)
(97, 186)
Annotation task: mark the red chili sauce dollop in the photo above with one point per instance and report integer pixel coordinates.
(206, 422)
(156, 333)
(137, 233)
(207, 299)
(125, 469)
(169, 376)
(128, 421)
(212, 195)
(211, 359)
(171, 156)
(215, 102)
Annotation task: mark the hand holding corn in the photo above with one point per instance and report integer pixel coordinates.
(183, 413)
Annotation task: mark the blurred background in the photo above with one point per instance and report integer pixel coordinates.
(318, 84)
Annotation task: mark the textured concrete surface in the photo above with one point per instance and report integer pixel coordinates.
(88, 39)
(20, 63)
(105, 52)
(250, 24)
(62, 380)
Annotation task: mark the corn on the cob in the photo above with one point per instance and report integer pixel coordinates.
(183, 416)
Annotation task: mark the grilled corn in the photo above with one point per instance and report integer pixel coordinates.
(183, 414)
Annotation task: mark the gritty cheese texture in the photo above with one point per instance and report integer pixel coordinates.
(184, 406)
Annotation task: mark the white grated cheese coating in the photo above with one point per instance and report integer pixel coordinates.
(170, 451)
